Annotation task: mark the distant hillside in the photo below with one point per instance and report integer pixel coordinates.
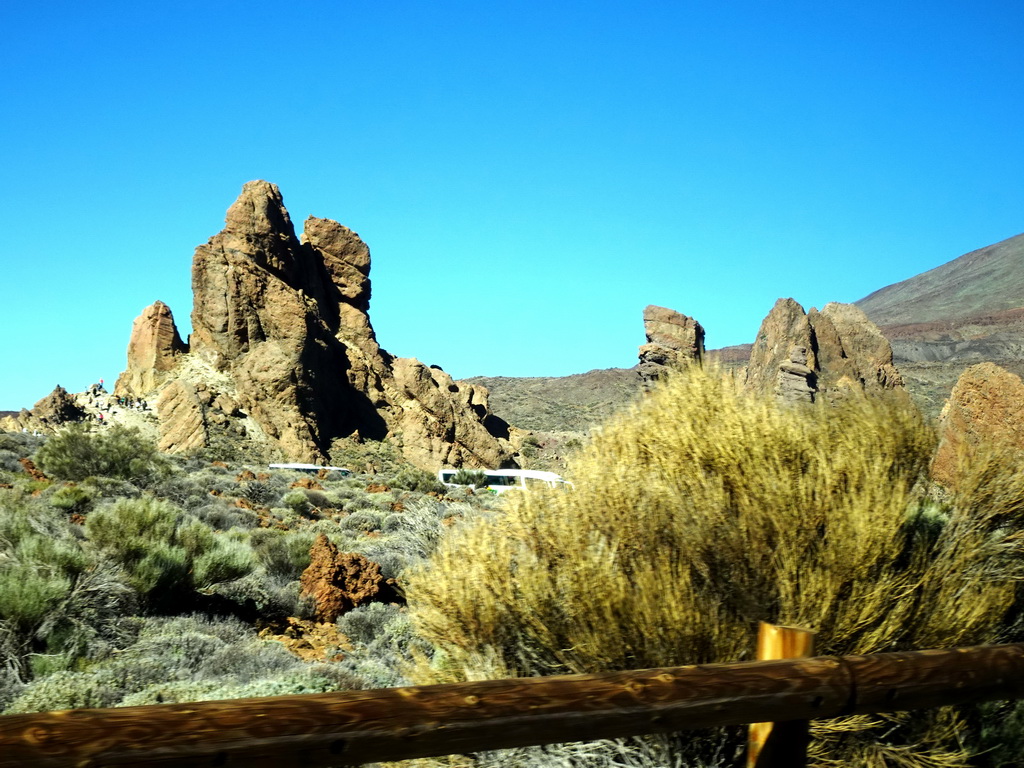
(978, 283)
(561, 403)
(969, 310)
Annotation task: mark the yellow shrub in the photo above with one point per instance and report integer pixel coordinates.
(703, 510)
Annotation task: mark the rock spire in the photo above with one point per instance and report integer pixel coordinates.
(282, 350)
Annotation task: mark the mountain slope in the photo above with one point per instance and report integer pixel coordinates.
(985, 281)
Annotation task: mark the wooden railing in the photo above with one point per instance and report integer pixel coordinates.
(356, 727)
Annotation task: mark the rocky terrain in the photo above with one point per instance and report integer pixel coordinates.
(967, 311)
(283, 355)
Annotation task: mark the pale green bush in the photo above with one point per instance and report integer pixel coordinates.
(80, 451)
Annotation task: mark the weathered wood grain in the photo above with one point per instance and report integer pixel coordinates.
(354, 727)
(780, 745)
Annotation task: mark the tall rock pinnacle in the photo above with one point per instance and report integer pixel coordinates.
(282, 337)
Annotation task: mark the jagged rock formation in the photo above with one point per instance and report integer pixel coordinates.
(154, 349)
(796, 382)
(672, 339)
(182, 420)
(282, 349)
(337, 581)
(57, 408)
(800, 356)
(986, 407)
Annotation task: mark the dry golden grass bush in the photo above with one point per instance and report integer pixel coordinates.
(703, 510)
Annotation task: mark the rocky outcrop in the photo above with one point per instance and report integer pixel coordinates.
(337, 581)
(182, 418)
(796, 382)
(57, 408)
(154, 349)
(672, 339)
(800, 356)
(985, 408)
(281, 332)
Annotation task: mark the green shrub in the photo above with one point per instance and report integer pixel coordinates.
(296, 501)
(187, 658)
(80, 451)
(415, 479)
(57, 602)
(71, 499)
(704, 510)
(164, 552)
(470, 477)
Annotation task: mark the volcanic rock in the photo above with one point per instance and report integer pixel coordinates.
(57, 408)
(183, 425)
(340, 581)
(282, 335)
(799, 356)
(796, 382)
(985, 408)
(155, 347)
(672, 339)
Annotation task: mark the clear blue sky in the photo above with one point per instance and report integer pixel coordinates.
(528, 175)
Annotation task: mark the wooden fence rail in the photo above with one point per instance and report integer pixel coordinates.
(356, 727)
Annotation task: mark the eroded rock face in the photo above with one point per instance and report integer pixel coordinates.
(154, 349)
(986, 407)
(182, 417)
(340, 581)
(672, 339)
(57, 408)
(282, 324)
(802, 357)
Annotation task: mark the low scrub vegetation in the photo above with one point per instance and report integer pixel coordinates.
(703, 511)
(128, 577)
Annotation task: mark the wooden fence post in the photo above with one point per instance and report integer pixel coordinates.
(780, 744)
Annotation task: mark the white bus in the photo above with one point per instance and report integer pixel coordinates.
(501, 480)
(311, 468)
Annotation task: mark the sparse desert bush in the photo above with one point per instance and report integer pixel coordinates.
(703, 510)
(9, 461)
(471, 477)
(80, 451)
(414, 479)
(71, 498)
(363, 521)
(164, 552)
(296, 501)
(187, 658)
(57, 603)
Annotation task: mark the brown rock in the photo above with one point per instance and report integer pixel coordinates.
(154, 349)
(852, 350)
(985, 408)
(672, 340)
(338, 582)
(785, 327)
(801, 357)
(308, 483)
(58, 407)
(281, 326)
(30, 468)
(182, 419)
(796, 381)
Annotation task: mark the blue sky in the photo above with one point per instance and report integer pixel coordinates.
(528, 175)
